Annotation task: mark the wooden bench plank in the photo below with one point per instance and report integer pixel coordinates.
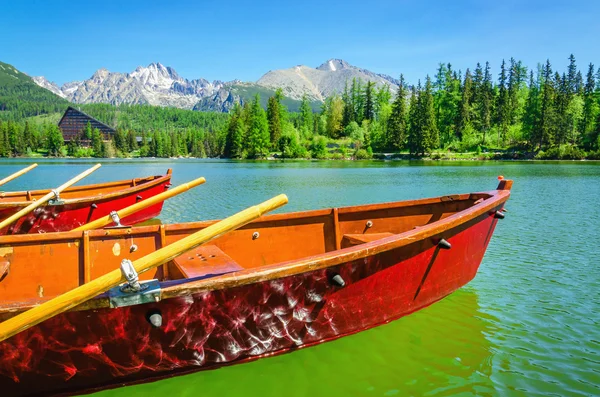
(205, 261)
(349, 240)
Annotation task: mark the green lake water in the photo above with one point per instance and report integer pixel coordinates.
(529, 324)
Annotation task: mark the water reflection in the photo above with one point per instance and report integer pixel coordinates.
(442, 350)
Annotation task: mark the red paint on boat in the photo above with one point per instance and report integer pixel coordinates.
(76, 212)
(95, 349)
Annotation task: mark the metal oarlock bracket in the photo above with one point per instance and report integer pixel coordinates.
(116, 220)
(56, 200)
(131, 276)
(133, 292)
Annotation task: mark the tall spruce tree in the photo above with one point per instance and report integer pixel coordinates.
(487, 100)
(544, 134)
(258, 131)
(532, 111)
(431, 133)
(502, 105)
(571, 79)
(369, 108)
(305, 120)
(397, 123)
(415, 137)
(590, 108)
(274, 117)
(464, 112)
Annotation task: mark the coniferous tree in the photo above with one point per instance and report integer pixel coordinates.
(431, 133)
(532, 110)
(236, 129)
(464, 112)
(477, 96)
(545, 131)
(487, 99)
(415, 138)
(502, 105)
(54, 140)
(369, 107)
(131, 141)
(590, 108)
(258, 131)
(571, 79)
(397, 123)
(274, 117)
(305, 120)
(96, 142)
(87, 132)
(334, 113)
(563, 92)
(28, 137)
(446, 103)
(348, 107)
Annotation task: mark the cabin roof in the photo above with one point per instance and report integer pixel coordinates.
(108, 128)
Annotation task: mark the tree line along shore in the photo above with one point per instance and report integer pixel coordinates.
(522, 114)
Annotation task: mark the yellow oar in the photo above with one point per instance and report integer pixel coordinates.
(17, 174)
(46, 198)
(98, 223)
(87, 291)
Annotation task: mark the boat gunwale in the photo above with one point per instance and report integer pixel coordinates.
(146, 182)
(274, 271)
(185, 287)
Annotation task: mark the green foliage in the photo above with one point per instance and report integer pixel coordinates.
(258, 132)
(54, 140)
(557, 114)
(362, 154)
(562, 152)
(318, 147)
(397, 127)
(21, 97)
(274, 116)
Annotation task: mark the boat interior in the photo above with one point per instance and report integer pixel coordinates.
(75, 192)
(35, 268)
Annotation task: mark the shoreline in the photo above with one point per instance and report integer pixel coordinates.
(376, 158)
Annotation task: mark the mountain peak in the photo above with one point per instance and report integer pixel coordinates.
(333, 65)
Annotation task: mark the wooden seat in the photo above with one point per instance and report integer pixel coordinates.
(205, 261)
(349, 240)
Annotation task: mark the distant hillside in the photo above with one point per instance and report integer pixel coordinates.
(21, 97)
(230, 94)
(319, 83)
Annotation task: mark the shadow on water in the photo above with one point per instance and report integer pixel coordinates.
(442, 350)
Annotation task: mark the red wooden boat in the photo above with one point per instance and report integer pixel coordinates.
(280, 283)
(79, 205)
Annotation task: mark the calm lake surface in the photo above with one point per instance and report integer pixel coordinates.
(529, 324)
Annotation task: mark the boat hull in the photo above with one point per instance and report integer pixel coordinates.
(73, 213)
(96, 349)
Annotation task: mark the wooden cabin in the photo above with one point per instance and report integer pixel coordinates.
(74, 121)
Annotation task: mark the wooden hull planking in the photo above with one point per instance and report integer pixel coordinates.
(236, 314)
(84, 204)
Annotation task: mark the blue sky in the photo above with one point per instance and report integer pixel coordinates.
(69, 40)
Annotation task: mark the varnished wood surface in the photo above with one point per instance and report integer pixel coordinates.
(43, 200)
(76, 194)
(184, 187)
(287, 244)
(101, 284)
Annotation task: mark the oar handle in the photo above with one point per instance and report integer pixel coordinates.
(87, 291)
(17, 174)
(100, 222)
(46, 198)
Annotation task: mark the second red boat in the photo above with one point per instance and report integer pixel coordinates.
(79, 205)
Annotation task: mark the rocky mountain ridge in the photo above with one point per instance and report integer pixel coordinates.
(162, 86)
